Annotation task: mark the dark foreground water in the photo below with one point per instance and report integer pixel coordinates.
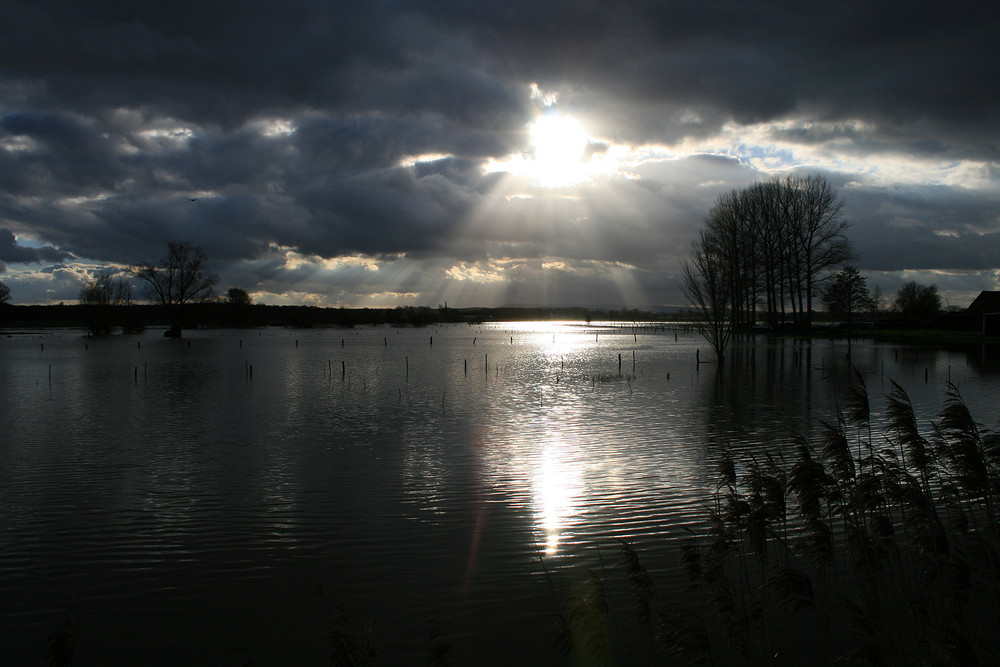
(222, 499)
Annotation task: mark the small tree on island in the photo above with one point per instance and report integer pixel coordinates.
(180, 277)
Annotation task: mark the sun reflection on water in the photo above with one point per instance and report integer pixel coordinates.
(557, 486)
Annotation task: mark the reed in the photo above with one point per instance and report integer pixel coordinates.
(869, 548)
(62, 643)
(349, 643)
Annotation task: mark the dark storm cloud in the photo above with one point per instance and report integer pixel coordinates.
(219, 62)
(250, 127)
(11, 251)
(930, 228)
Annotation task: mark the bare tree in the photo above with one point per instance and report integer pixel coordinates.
(775, 241)
(820, 233)
(4, 293)
(180, 277)
(706, 287)
(103, 295)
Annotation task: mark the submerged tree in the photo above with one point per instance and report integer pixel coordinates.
(105, 290)
(707, 288)
(776, 240)
(103, 294)
(180, 277)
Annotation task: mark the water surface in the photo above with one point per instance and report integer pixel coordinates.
(220, 499)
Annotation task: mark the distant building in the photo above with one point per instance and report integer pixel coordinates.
(986, 308)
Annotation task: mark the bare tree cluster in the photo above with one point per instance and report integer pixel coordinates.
(103, 294)
(917, 303)
(764, 251)
(106, 290)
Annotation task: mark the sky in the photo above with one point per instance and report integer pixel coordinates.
(383, 154)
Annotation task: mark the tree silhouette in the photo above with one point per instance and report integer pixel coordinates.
(103, 294)
(4, 293)
(180, 277)
(706, 287)
(775, 240)
(238, 297)
(846, 294)
(237, 303)
(918, 302)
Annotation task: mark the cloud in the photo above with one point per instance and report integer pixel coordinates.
(336, 130)
(12, 251)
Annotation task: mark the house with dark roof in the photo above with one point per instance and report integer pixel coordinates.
(986, 308)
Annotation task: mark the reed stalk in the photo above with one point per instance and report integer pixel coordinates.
(887, 552)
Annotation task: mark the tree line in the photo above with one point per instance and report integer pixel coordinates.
(767, 250)
(764, 249)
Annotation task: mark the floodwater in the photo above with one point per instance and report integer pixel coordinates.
(223, 499)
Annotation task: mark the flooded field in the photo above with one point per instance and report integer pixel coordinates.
(225, 498)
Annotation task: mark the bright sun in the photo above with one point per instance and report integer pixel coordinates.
(558, 143)
(557, 155)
